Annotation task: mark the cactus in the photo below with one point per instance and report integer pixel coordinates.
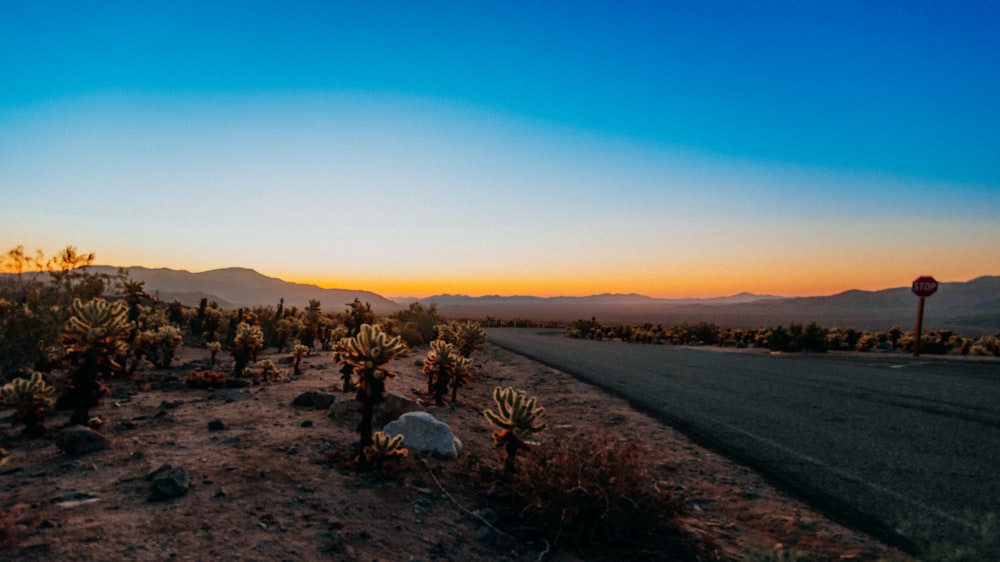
(445, 367)
(517, 417)
(30, 398)
(4, 455)
(214, 348)
(248, 340)
(469, 337)
(366, 353)
(384, 448)
(94, 336)
(298, 352)
(268, 371)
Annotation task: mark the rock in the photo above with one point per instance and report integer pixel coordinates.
(237, 383)
(306, 423)
(80, 440)
(227, 395)
(345, 409)
(425, 433)
(216, 425)
(170, 405)
(169, 484)
(314, 400)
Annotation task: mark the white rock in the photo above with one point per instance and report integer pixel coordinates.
(425, 433)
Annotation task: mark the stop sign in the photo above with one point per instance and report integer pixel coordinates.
(924, 286)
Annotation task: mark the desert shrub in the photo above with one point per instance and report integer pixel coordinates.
(35, 299)
(30, 398)
(592, 492)
(418, 325)
(357, 314)
(205, 379)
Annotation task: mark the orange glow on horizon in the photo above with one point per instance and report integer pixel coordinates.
(690, 286)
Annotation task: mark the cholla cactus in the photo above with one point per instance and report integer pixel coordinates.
(445, 367)
(384, 448)
(298, 352)
(214, 348)
(469, 337)
(268, 371)
(248, 340)
(30, 398)
(366, 353)
(517, 417)
(94, 336)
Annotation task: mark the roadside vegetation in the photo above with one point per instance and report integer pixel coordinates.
(811, 338)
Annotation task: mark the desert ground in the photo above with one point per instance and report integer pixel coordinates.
(269, 480)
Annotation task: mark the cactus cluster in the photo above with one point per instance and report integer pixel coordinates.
(298, 352)
(30, 398)
(268, 371)
(384, 448)
(445, 368)
(517, 417)
(469, 337)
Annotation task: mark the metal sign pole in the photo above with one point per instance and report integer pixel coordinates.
(920, 326)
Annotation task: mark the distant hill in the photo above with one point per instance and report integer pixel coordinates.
(239, 287)
(971, 308)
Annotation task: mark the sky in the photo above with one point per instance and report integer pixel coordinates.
(672, 149)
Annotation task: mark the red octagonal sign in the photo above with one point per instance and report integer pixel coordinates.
(924, 286)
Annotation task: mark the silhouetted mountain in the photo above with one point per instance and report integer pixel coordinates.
(971, 308)
(236, 287)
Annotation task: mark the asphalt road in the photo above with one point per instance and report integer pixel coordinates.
(883, 442)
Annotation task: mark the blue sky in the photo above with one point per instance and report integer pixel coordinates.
(667, 148)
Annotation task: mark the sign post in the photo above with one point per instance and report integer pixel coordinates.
(924, 286)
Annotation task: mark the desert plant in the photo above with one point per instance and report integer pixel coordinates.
(4, 455)
(205, 379)
(418, 324)
(517, 417)
(384, 448)
(590, 491)
(246, 343)
(445, 368)
(94, 336)
(467, 336)
(268, 371)
(298, 352)
(214, 348)
(30, 398)
(159, 346)
(366, 353)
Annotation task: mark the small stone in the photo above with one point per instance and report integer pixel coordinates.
(173, 484)
(307, 423)
(80, 440)
(314, 400)
(216, 425)
(170, 405)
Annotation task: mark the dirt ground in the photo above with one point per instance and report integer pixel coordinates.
(263, 486)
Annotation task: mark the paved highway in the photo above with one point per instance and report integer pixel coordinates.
(876, 440)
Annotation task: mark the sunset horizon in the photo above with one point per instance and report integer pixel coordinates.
(672, 150)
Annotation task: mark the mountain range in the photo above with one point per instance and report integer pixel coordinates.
(971, 307)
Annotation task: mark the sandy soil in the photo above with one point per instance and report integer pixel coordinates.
(263, 488)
